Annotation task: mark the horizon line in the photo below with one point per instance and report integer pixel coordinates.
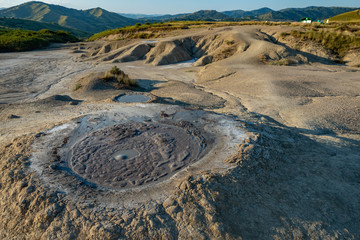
(161, 14)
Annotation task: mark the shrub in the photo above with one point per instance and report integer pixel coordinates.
(115, 70)
(143, 35)
(77, 87)
(108, 76)
(122, 78)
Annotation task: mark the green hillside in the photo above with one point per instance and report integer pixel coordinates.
(24, 40)
(295, 14)
(264, 14)
(203, 15)
(92, 20)
(14, 23)
(353, 16)
(242, 13)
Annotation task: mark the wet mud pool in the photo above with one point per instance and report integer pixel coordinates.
(132, 98)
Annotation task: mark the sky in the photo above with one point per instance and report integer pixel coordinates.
(187, 6)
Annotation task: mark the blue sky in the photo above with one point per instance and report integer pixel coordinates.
(185, 6)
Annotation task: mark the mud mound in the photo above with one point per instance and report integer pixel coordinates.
(250, 45)
(137, 52)
(124, 53)
(207, 48)
(167, 53)
(134, 148)
(59, 100)
(94, 87)
(219, 46)
(94, 82)
(106, 48)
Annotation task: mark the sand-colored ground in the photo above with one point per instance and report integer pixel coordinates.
(284, 163)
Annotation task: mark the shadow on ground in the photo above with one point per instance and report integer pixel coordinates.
(288, 186)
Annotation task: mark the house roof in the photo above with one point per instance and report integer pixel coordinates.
(306, 18)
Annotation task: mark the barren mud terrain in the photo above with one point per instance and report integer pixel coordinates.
(220, 140)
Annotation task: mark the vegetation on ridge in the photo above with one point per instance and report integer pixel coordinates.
(154, 30)
(24, 40)
(340, 38)
(139, 30)
(23, 24)
(353, 16)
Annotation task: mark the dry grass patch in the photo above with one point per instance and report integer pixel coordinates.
(339, 38)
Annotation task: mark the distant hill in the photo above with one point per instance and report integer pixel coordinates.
(14, 23)
(139, 16)
(295, 14)
(97, 20)
(92, 20)
(288, 14)
(242, 13)
(203, 15)
(167, 17)
(353, 16)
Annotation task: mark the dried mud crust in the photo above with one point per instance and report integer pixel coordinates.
(160, 150)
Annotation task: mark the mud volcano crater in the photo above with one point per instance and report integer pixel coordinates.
(136, 153)
(130, 155)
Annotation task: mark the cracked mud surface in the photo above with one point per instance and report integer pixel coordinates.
(161, 151)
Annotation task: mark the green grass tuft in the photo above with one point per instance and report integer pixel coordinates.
(115, 70)
(77, 87)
